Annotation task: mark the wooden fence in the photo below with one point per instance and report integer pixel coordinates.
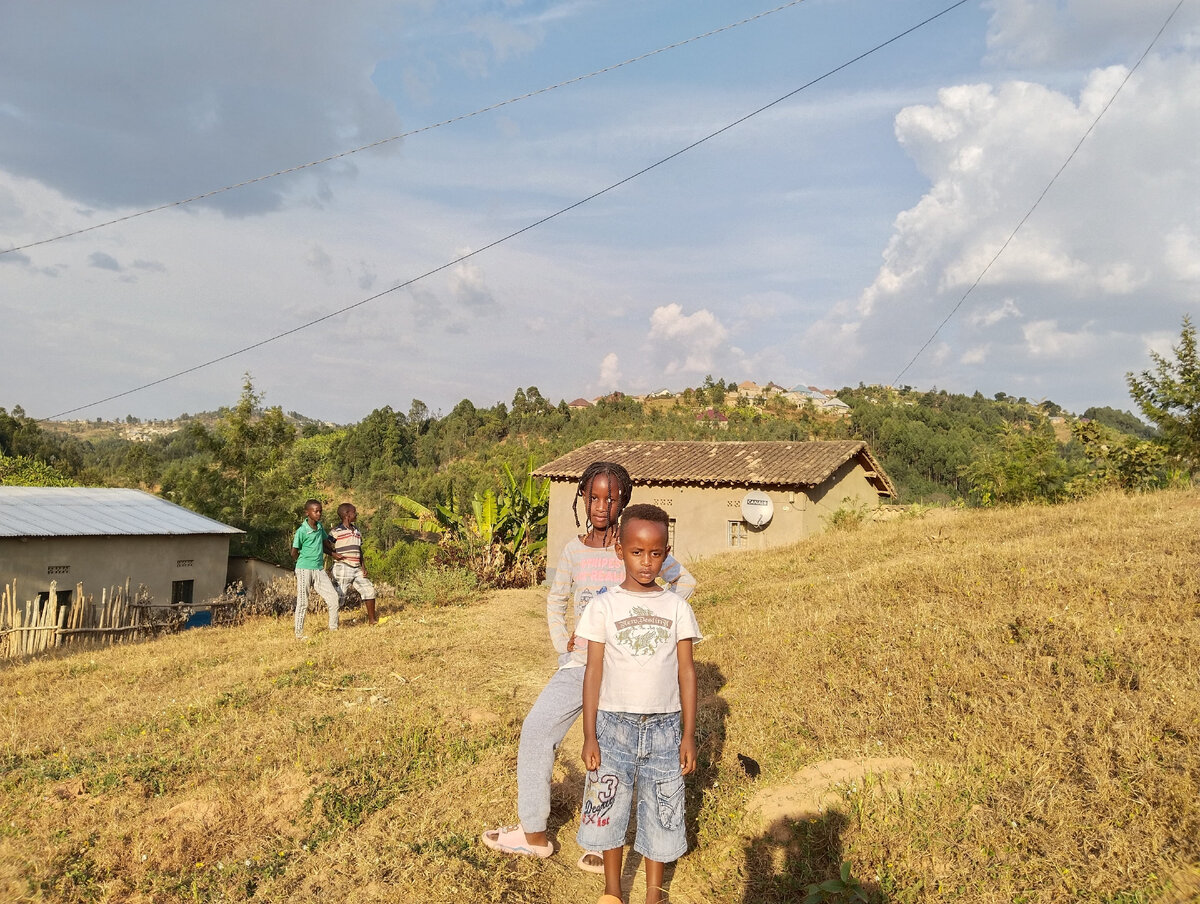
(67, 618)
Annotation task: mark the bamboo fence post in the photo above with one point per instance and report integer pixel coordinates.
(19, 636)
(49, 614)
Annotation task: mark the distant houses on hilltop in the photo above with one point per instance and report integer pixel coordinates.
(745, 393)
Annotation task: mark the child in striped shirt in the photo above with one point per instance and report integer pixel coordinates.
(348, 567)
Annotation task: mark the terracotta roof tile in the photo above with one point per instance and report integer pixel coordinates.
(722, 463)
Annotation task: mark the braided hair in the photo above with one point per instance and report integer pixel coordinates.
(616, 474)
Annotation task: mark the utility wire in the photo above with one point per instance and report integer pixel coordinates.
(1045, 191)
(523, 229)
(383, 141)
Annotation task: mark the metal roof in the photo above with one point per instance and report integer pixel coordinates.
(97, 512)
(766, 464)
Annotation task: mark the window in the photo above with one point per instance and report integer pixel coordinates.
(181, 592)
(63, 597)
(183, 563)
(671, 533)
(737, 533)
(58, 569)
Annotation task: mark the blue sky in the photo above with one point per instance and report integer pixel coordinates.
(820, 242)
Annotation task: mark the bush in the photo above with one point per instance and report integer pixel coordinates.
(396, 564)
(439, 586)
(849, 517)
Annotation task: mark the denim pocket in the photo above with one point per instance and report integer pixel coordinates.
(603, 725)
(670, 798)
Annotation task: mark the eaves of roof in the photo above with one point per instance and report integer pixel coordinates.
(760, 464)
(97, 512)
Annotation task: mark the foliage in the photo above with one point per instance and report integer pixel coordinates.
(1021, 465)
(396, 562)
(23, 471)
(848, 517)
(374, 449)
(237, 472)
(440, 585)
(843, 888)
(1169, 397)
(1121, 421)
(1117, 461)
(502, 540)
(252, 466)
(924, 440)
(21, 435)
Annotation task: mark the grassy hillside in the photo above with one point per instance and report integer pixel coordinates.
(1001, 705)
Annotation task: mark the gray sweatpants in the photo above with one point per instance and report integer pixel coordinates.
(553, 713)
(318, 579)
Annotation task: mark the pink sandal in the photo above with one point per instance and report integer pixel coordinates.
(583, 864)
(511, 840)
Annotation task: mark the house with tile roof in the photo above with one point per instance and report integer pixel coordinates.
(101, 537)
(726, 496)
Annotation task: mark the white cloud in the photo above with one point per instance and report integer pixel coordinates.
(1181, 253)
(1102, 251)
(1044, 339)
(687, 341)
(469, 287)
(975, 355)
(1074, 32)
(1007, 309)
(610, 372)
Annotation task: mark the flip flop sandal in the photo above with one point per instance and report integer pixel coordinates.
(583, 864)
(609, 899)
(511, 840)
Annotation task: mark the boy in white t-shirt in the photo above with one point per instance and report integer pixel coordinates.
(639, 708)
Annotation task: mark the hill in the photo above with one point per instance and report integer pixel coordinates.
(969, 706)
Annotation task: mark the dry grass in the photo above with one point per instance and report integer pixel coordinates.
(1039, 667)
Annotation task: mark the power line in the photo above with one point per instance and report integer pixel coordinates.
(523, 229)
(383, 141)
(1029, 213)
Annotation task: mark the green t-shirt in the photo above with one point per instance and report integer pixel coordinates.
(311, 543)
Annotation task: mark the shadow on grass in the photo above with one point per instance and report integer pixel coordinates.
(784, 861)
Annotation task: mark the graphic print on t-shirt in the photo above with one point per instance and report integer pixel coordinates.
(643, 632)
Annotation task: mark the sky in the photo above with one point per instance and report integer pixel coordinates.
(823, 240)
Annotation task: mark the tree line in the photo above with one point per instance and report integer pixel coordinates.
(252, 466)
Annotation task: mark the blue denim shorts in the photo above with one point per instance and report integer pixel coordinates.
(637, 753)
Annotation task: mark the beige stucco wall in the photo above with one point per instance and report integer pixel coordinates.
(104, 562)
(251, 571)
(702, 515)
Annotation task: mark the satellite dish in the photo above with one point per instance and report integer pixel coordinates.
(757, 508)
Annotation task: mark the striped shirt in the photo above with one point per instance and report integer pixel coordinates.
(347, 543)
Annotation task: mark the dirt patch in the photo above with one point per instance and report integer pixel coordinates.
(477, 716)
(818, 788)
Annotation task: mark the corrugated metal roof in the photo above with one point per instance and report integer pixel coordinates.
(764, 464)
(97, 512)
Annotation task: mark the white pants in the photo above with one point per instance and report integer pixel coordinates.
(318, 579)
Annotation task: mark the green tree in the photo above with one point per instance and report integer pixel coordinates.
(1123, 421)
(247, 447)
(1117, 460)
(23, 471)
(1169, 396)
(238, 472)
(1020, 466)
